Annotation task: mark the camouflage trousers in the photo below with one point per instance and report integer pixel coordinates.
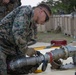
(3, 66)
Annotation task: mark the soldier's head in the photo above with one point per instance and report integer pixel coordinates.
(42, 13)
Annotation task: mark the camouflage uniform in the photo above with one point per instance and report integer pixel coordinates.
(7, 8)
(15, 30)
(34, 30)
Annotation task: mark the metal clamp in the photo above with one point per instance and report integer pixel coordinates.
(66, 52)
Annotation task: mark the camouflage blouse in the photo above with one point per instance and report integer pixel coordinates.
(16, 27)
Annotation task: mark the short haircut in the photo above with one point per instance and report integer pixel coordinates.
(43, 5)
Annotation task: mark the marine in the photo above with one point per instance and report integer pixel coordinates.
(6, 8)
(15, 32)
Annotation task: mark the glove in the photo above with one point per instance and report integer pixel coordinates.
(30, 52)
(56, 64)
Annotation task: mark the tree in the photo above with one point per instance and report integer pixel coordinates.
(67, 6)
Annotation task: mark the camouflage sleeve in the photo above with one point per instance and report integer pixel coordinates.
(20, 31)
(35, 31)
(34, 27)
(9, 18)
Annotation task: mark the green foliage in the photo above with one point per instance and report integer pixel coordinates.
(67, 6)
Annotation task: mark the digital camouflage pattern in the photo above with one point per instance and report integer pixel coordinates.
(34, 30)
(7, 8)
(15, 33)
(16, 26)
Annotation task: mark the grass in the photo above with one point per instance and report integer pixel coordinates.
(47, 37)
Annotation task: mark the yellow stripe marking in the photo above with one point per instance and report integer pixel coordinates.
(44, 47)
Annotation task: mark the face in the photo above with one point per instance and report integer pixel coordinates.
(42, 16)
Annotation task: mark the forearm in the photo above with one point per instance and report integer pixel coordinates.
(21, 29)
(21, 43)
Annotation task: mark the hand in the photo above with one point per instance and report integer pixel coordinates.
(30, 52)
(6, 1)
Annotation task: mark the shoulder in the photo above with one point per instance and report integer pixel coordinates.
(26, 9)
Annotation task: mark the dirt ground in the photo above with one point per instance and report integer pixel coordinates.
(48, 36)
